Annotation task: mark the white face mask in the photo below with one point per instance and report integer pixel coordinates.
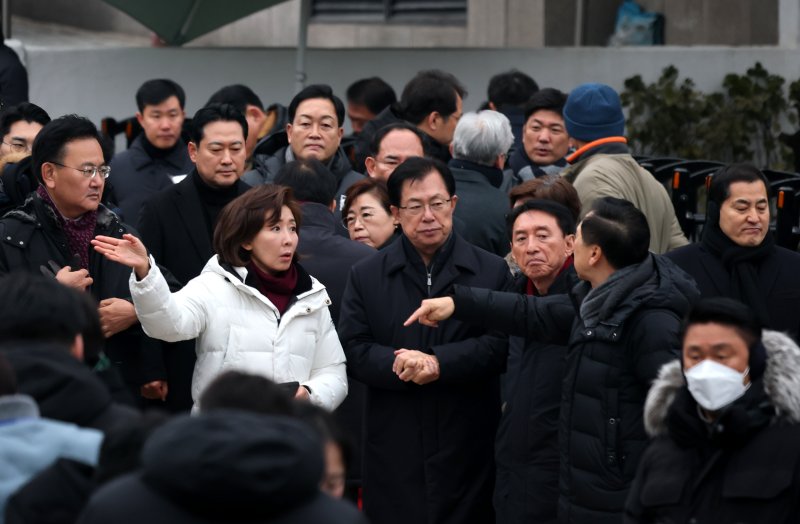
(714, 385)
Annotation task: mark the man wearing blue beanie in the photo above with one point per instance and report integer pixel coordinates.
(603, 166)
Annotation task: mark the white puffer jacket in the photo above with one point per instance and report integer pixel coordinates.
(239, 328)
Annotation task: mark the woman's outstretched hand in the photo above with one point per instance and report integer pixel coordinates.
(128, 251)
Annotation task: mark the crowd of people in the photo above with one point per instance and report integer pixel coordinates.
(443, 317)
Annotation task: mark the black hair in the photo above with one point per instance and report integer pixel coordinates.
(563, 216)
(8, 378)
(215, 113)
(154, 92)
(309, 179)
(246, 392)
(619, 229)
(548, 99)
(511, 89)
(417, 168)
(429, 91)
(49, 143)
(720, 188)
(238, 95)
(317, 91)
(122, 445)
(377, 138)
(736, 315)
(328, 429)
(373, 93)
(22, 111)
(38, 308)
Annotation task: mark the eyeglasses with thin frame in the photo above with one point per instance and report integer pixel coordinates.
(366, 217)
(18, 147)
(88, 171)
(417, 208)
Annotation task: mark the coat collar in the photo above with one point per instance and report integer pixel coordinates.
(716, 272)
(317, 216)
(14, 407)
(307, 286)
(139, 157)
(781, 384)
(462, 259)
(476, 172)
(190, 210)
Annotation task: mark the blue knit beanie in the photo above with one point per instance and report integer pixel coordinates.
(592, 112)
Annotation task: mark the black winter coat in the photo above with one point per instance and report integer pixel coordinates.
(329, 257)
(778, 277)
(223, 467)
(273, 152)
(609, 369)
(428, 456)
(63, 387)
(481, 208)
(30, 237)
(744, 468)
(527, 438)
(137, 176)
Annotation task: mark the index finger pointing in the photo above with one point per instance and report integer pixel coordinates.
(415, 316)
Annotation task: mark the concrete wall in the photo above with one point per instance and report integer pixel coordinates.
(490, 23)
(102, 82)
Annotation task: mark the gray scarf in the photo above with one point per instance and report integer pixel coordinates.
(603, 301)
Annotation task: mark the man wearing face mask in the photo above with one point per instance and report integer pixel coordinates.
(726, 425)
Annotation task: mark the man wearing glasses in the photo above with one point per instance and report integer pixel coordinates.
(433, 396)
(19, 126)
(52, 230)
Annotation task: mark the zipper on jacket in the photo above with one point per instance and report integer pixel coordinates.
(430, 273)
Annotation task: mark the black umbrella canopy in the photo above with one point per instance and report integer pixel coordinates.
(180, 21)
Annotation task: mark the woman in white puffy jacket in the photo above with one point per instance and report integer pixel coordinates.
(252, 308)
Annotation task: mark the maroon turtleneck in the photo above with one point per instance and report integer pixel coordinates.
(277, 288)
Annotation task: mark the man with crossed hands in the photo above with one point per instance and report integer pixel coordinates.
(433, 394)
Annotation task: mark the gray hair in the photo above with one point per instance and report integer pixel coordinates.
(481, 137)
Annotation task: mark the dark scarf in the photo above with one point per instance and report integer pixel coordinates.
(741, 262)
(519, 160)
(602, 302)
(492, 174)
(279, 289)
(213, 199)
(156, 152)
(79, 231)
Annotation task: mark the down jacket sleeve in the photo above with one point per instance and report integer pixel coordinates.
(169, 316)
(328, 378)
(548, 319)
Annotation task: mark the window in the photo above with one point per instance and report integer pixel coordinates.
(390, 11)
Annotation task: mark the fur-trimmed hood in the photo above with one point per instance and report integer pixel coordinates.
(781, 384)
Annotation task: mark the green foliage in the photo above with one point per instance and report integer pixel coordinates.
(741, 123)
